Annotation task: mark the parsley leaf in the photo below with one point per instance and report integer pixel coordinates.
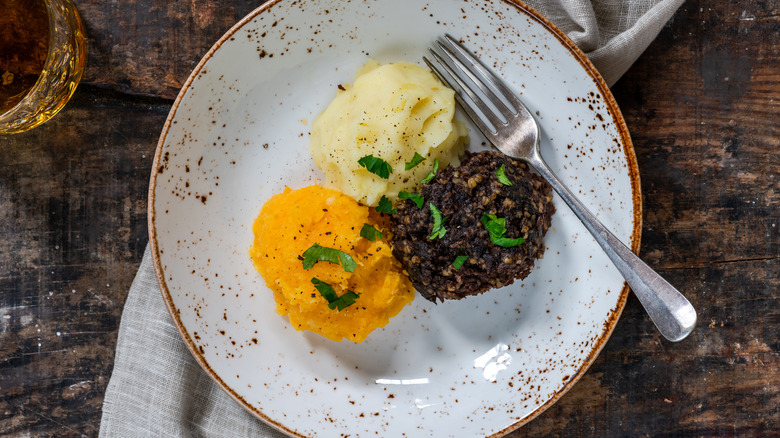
(435, 170)
(507, 242)
(377, 166)
(415, 197)
(325, 289)
(334, 301)
(345, 300)
(317, 253)
(370, 233)
(438, 223)
(459, 261)
(385, 206)
(416, 159)
(501, 175)
(496, 227)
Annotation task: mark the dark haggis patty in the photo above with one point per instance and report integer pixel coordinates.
(463, 194)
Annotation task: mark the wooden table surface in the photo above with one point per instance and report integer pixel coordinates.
(703, 108)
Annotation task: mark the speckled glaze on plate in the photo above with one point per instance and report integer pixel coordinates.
(239, 132)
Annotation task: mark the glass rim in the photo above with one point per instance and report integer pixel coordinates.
(73, 34)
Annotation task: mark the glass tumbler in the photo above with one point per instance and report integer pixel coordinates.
(61, 71)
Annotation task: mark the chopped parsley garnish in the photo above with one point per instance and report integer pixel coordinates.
(370, 233)
(334, 301)
(377, 166)
(430, 176)
(415, 197)
(416, 159)
(385, 206)
(459, 261)
(496, 227)
(317, 253)
(438, 223)
(501, 175)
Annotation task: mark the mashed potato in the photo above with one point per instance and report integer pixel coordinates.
(390, 112)
(289, 224)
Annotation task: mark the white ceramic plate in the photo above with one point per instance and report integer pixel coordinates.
(238, 133)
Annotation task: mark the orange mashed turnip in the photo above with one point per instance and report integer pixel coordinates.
(289, 224)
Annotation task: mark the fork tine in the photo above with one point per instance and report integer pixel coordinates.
(459, 51)
(465, 67)
(473, 115)
(473, 100)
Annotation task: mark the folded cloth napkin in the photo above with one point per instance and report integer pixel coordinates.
(157, 388)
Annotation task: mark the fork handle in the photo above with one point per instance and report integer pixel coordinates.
(670, 311)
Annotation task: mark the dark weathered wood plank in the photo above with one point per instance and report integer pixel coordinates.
(149, 47)
(73, 227)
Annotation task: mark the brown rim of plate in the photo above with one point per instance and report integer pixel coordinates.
(633, 170)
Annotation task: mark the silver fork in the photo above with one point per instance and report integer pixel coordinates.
(508, 124)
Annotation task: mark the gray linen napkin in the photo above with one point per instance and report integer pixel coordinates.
(157, 388)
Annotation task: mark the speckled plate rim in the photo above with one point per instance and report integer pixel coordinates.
(633, 171)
